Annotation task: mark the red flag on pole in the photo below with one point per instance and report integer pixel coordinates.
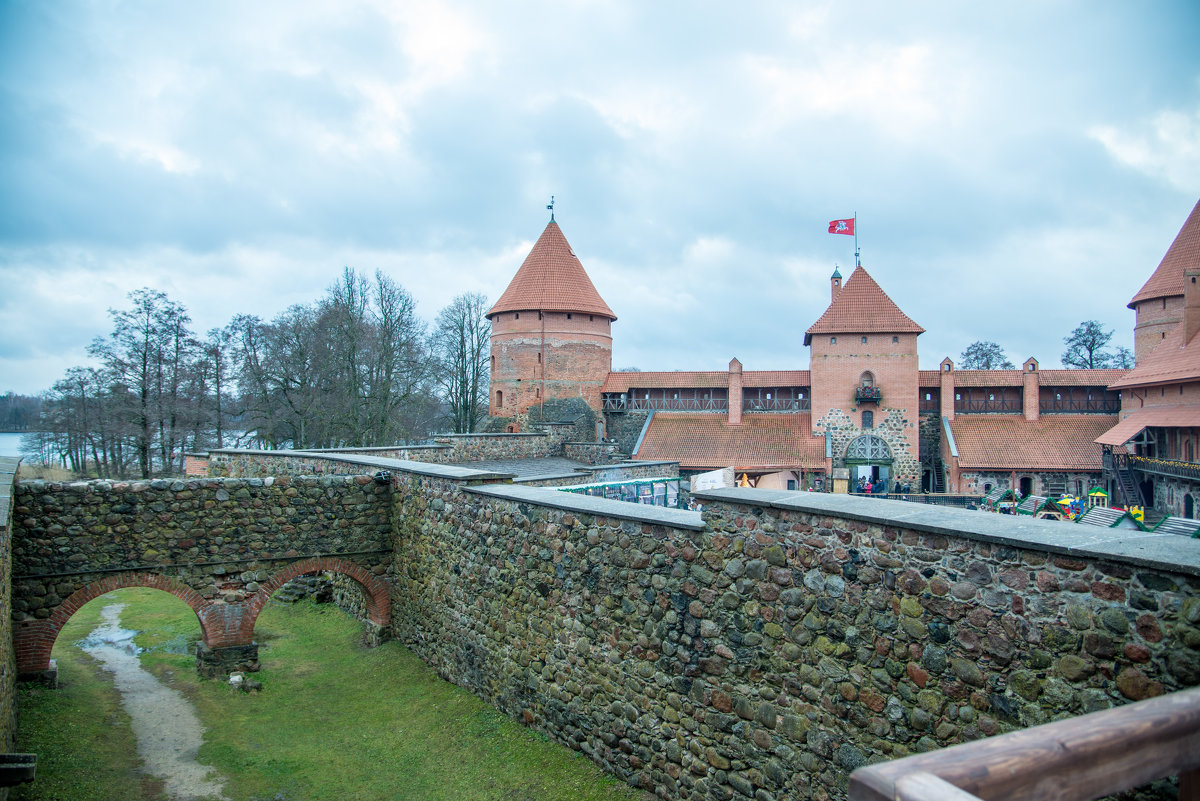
(842, 227)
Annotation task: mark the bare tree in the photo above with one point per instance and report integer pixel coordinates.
(1087, 346)
(460, 345)
(984, 355)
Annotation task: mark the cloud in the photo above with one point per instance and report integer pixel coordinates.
(1166, 147)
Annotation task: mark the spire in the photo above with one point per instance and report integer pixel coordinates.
(552, 279)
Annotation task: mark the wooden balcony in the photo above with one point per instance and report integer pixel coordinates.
(1078, 759)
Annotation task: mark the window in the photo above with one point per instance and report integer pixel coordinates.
(833, 340)
(928, 396)
(499, 399)
(946, 367)
(864, 340)
(539, 315)
(958, 396)
(517, 316)
(868, 420)
(895, 340)
(867, 379)
(539, 357)
(568, 315)
(768, 396)
(493, 363)
(591, 318)
(537, 392)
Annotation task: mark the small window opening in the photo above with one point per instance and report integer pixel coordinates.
(568, 315)
(591, 318)
(895, 340)
(539, 358)
(499, 399)
(864, 340)
(833, 340)
(517, 316)
(868, 419)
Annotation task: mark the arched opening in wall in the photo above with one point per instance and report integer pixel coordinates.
(113, 656)
(1025, 485)
(987, 487)
(926, 480)
(1189, 506)
(867, 379)
(37, 637)
(328, 598)
(499, 399)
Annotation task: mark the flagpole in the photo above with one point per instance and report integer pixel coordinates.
(857, 263)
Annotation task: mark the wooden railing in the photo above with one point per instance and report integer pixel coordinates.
(1078, 759)
(1165, 467)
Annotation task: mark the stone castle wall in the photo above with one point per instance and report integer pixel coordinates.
(787, 640)
(625, 428)
(8, 662)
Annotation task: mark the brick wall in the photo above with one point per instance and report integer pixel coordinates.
(837, 369)
(1154, 318)
(537, 357)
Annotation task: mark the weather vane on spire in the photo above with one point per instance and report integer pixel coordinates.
(551, 207)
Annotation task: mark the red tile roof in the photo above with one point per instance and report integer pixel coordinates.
(1167, 280)
(1010, 442)
(929, 378)
(861, 306)
(763, 442)
(1081, 378)
(1165, 416)
(620, 382)
(1172, 361)
(552, 279)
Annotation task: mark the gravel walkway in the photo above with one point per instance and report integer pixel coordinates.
(165, 725)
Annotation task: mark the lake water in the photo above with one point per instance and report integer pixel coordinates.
(10, 444)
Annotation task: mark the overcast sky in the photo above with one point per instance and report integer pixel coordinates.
(1016, 167)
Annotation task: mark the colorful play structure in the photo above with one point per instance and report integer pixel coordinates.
(1091, 510)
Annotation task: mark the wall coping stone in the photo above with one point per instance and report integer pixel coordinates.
(589, 505)
(385, 463)
(1167, 552)
(547, 476)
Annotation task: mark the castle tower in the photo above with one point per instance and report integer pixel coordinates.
(1158, 305)
(863, 363)
(551, 332)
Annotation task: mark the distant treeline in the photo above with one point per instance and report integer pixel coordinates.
(19, 412)
(357, 367)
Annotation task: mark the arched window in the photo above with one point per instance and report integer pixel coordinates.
(499, 399)
(867, 379)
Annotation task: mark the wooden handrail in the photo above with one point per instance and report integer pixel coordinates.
(1078, 759)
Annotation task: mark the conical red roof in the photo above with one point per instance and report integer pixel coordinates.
(1167, 280)
(862, 307)
(552, 279)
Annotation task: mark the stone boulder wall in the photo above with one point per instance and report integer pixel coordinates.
(8, 660)
(221, 537)
(788, 638)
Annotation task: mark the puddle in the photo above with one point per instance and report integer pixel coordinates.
(168, 732)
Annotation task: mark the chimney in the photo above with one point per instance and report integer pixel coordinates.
(835, 285)
(1191, 303)
(735, 393)
(946, 389)
(1031, 389)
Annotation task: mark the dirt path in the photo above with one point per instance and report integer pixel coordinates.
(167, 730)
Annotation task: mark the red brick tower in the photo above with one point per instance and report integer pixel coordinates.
(1158, 305)
(551, 332)
(864, 380)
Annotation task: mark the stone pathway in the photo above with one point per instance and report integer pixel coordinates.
(165, 725)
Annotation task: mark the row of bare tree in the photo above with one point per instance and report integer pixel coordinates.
(356, 368)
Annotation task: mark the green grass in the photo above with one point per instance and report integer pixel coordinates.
(334, 720)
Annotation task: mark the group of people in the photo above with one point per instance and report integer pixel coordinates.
(867, 487)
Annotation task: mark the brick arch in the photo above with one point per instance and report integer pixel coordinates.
(379, 604)
(34, 640)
